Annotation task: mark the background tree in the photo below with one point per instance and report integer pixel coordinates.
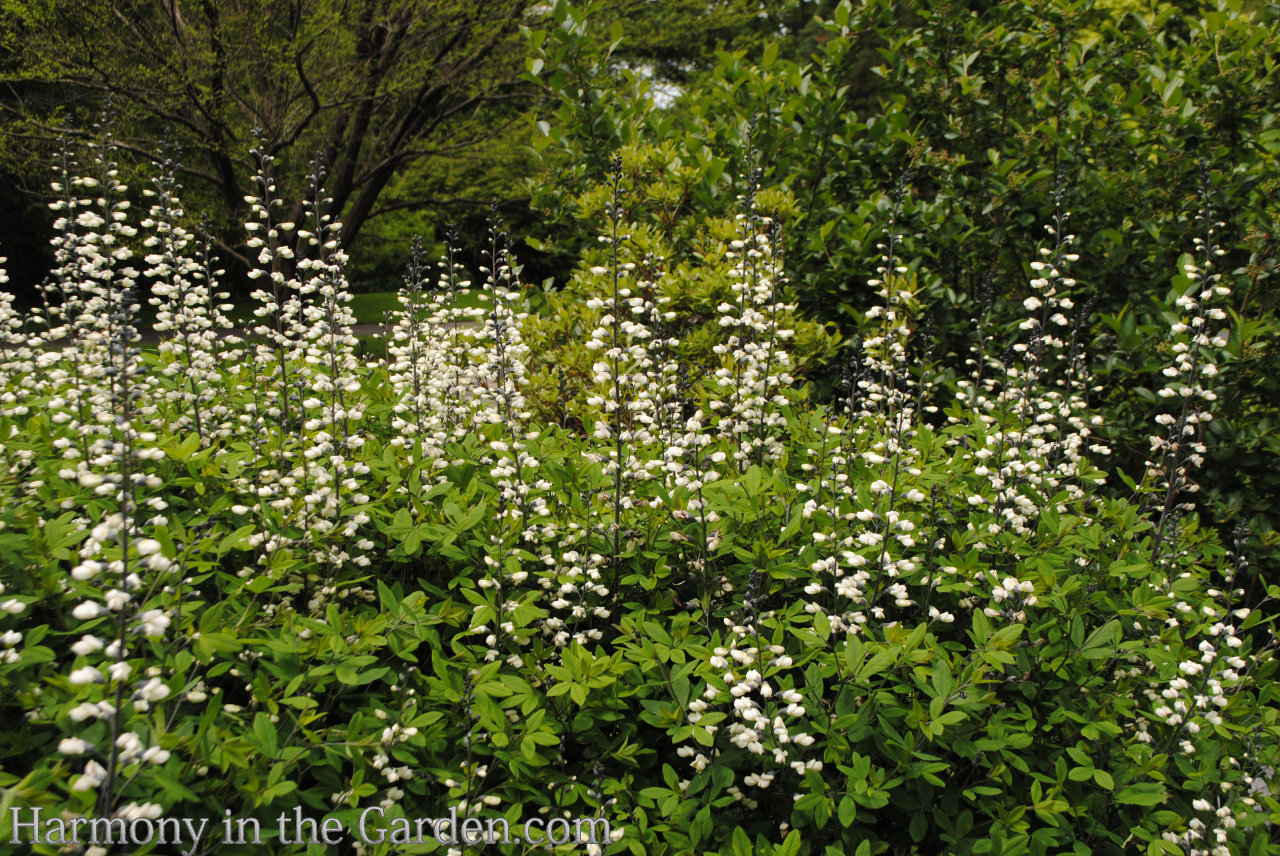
(372, 85)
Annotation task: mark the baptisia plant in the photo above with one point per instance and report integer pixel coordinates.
(664, 588)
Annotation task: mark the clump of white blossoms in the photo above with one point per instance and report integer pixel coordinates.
(84, 297)
(1194, 339)
(330, 469)
(91, 272)
(435, 360)
(17, 358)
(1031, 404)
(754, 376)
(270, 422)
(756, 695)
(501, 358)
(187, 314)
(414, 362)
(1036, 412)
(280, 307)
(117, 566)
(861, 571)
(621, 375)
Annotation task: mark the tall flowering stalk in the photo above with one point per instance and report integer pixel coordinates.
(454, 330)
(500, 352)
(500, 360)
(884, 385)
(104, 276)
(19, 378)
(112, 578)
(269, 484)
(435, 359)
(61, 300)
(184, 288)
(501, 393)
(620, 374)
(1031, 408)
(871, 575)
(90, 273)
(17, 358)
(331, 374)
(280, 306)
(1055, 427)
(83, 295)
(1190, 376)
(663, 426)
(64, 302)
(755, 370)
(1040, 429)
(413, 363)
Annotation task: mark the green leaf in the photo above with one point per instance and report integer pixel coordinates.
(1101, 643)
(841, 14)
(942, 680)
(578, 693)
(790, 845)
(700, 829)
(185, 449)
(878, 663)
(265, 730)
(472, 517)
(847, 810)
(1144, 794)
(237, 540)
(411, 544)
(279, 789)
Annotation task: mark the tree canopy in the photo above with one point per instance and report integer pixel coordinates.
(370, 85)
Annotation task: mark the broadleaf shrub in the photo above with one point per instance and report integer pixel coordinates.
(994, 108)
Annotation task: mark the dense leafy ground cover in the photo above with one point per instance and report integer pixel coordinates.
(270, 577)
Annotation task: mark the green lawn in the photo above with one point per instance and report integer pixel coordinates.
(371, 308)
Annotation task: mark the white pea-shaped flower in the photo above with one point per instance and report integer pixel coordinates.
(88, 610)
(155, 755)
(87, 645)
(85, 675)
(94, 775)
(147, 546)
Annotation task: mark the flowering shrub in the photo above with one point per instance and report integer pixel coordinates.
(264, 577)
